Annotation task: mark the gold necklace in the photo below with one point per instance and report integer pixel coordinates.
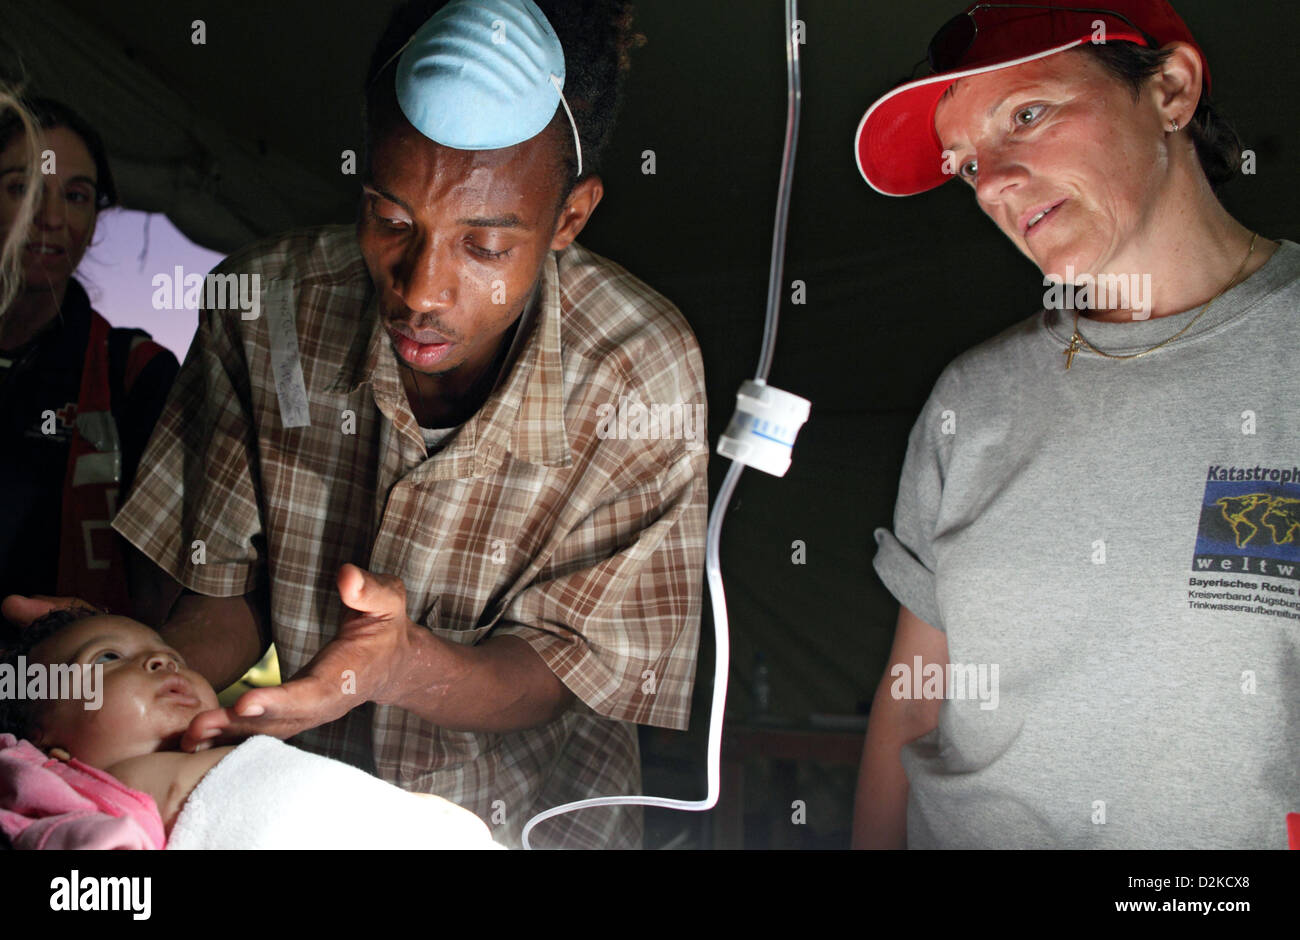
(1078, 340)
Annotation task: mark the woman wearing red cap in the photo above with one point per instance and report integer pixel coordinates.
(1096, 545)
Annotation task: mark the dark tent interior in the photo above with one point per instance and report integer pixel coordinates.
(243, 136)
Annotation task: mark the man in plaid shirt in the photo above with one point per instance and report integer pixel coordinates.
(474, 526)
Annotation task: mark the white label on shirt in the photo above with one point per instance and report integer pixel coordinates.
(289, 386)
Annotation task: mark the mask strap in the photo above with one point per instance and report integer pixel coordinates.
(390, 59)
(577, 144)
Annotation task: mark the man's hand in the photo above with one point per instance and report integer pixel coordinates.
(365, 662)
(21, 611)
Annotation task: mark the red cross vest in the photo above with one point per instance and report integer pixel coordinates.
(92, 565)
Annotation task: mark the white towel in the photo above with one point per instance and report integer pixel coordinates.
(266, 794)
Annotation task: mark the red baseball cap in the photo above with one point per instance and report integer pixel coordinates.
(896, 147)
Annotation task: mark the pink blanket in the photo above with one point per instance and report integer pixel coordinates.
(52, 804)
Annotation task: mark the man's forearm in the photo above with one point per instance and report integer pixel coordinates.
(220, 637)
(500, 685)
(153, 591)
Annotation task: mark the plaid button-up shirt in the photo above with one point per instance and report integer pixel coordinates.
(569, 511)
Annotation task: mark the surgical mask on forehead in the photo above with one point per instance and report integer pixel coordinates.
(482, 75)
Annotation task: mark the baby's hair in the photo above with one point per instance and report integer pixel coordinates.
(13, 109)
(19, 717)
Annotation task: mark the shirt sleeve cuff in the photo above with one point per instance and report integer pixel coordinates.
(599, 689)
(911, 583)
(209, 579)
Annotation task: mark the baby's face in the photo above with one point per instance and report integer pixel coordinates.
(148, 698)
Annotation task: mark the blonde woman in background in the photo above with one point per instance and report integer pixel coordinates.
(78, 398)
(10, 261)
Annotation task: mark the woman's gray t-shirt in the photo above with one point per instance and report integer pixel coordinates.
(1117, 548)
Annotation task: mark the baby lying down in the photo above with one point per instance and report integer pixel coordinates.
(112, 777)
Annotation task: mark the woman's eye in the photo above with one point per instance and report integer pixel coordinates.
(16, 189)
(78, 197)
(968, 169)
(1026, 116)
(106, 656)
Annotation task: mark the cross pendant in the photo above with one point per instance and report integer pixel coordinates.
(1071, 350)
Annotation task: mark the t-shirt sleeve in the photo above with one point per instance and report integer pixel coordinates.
(617, 616)
(193, 508)
(905, 559)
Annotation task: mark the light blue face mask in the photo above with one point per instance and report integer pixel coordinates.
(482, 75)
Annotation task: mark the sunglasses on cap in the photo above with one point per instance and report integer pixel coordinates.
(954, 39)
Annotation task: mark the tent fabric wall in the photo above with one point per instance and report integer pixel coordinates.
(167, 155)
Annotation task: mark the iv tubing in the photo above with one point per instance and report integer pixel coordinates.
(712, 566)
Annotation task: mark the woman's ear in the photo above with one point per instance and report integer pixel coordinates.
(1177, 85)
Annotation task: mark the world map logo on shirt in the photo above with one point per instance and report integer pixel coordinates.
(1280, 515)
(1250, 522)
